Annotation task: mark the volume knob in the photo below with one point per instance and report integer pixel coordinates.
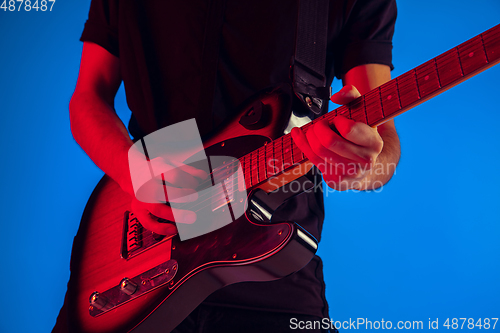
(99, 302)
(127, 286)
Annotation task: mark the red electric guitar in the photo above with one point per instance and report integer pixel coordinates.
(125, 278)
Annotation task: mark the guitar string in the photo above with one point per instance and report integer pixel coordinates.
(450, 57)
(454, 57)
(235, 184)
(433, 67)
(411, 81)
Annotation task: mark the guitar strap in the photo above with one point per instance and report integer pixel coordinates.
(211, 47)
(308, 63)
(308, 66)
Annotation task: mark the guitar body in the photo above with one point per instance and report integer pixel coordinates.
(241, 251)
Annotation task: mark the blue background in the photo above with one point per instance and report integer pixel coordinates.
(426, 246)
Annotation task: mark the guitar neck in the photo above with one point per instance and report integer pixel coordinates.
(425, 81)
(384, 102)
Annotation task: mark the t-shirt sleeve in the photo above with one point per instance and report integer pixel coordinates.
(102, 25)
(366, 37)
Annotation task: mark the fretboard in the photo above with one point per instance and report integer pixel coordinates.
(384, 102)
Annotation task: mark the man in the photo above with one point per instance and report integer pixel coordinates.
(204, 60)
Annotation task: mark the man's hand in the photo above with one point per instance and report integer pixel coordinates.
(151, 201)
(344, 152)
(102, 135)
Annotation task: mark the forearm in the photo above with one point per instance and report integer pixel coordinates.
(102, 135)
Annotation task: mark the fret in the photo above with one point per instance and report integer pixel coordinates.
(287, 151)
(262, 163)
(246, 170)
(383, 102)
(254, 171)
(491, 40)
(427, 78)
(278, 154)
(390, 98)
(282, 148)
(437, 74)
(472, 56)
(448, 66)
(242, 166)
(342, 111)
(270, 168)
(332, 114)
(298, 156)
(408, 89)
(373, 106)
(357, 108)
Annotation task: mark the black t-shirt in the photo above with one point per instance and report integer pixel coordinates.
(202, 59)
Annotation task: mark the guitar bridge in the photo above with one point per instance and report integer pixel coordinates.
(137, 239)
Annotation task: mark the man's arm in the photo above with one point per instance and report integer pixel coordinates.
(94, 122)
(103, 136)
(358, 156)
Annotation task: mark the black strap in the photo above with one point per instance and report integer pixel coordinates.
(211, 47)
(309, 81)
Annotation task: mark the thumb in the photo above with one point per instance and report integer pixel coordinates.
(198, 173)
(347, 94)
